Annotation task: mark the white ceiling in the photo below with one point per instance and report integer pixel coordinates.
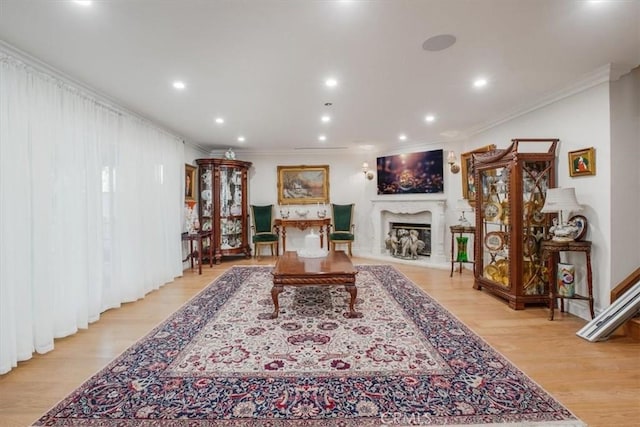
(261, 64)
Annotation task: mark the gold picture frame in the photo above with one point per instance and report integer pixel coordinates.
(468, 177)
(582, 162)
(189, 182)
(303, 185)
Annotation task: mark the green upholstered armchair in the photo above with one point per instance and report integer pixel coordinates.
(262, 227)
(341, 228)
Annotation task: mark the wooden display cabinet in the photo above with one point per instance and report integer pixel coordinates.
(222, 205)
(512, 185)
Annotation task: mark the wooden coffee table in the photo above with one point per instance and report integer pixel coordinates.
(334, 269)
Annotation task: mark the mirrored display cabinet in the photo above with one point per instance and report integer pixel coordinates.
(222, 205)
(512, 185)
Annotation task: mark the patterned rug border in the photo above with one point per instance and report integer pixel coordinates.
(275, 422)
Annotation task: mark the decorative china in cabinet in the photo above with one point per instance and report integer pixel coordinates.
(512, 185)
(222, 205)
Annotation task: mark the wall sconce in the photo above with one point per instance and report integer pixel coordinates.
(366, 171)
(451, 159)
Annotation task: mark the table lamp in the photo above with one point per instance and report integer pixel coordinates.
(561, 201)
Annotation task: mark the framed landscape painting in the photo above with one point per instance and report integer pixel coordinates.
(303, 185)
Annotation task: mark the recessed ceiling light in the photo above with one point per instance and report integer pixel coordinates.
(481, 82)
(83, 2)
(331, 82)
(430, 118)
(325, 119)
(219, 120)
(179, 85)
(402, 137)
(322, 138)
(241, 139)
(439, 42)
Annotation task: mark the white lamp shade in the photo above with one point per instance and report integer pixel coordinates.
(451, 157)
(561, 199)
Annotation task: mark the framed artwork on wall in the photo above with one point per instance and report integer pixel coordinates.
(468, 178)
(409, 173)
(189, 182)
(582, 162)
(303, 185)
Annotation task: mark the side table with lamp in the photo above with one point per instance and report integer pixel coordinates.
(566, 237)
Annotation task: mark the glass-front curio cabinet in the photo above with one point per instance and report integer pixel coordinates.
(512, 184)
(222, 205)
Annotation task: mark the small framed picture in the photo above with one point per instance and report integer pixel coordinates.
(582, 162)
(189, 182)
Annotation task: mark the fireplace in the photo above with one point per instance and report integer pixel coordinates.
(415, 212)
(408, 240)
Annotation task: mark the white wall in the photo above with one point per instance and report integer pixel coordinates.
(347, 184)
(625, 175)
(579, 121)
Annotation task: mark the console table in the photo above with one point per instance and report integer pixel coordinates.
(197, 239)
(551, 253)
(300, 224)
(461, 252)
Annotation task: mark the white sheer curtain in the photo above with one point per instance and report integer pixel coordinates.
(90, 208)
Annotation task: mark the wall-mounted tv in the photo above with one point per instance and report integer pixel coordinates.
(411, 173)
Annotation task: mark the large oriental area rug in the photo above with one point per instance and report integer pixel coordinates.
(221, 361)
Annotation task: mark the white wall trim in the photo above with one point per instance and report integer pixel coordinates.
(606, 73)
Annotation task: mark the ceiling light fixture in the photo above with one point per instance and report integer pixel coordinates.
(325, 119)
(430, 118)
(322, 138)
(402, 137)
(83, 2)
(439, 42)
(241, 139)
(331, 82)
(179, 85)
(481, 82)
(219, 120)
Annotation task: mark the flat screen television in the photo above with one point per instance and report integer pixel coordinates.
(411, 173)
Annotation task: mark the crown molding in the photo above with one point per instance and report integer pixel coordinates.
(606, 73)
(105, 100)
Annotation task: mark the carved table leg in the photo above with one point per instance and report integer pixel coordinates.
(275, 291)
(353, 291)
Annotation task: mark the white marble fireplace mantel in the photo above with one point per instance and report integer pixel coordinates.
(426, 211)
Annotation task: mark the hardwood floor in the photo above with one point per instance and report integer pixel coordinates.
(598, 382)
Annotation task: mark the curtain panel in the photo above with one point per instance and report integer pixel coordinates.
(90, 208)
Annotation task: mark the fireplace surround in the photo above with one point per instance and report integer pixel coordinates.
(429, 211)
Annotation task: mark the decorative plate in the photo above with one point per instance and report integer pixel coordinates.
(529, 245)
(492, 211)
(494, 240)
(537, 217)
(581, 222)
(492, 272)
(503, 267)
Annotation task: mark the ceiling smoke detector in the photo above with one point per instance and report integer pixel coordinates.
(439, 42)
